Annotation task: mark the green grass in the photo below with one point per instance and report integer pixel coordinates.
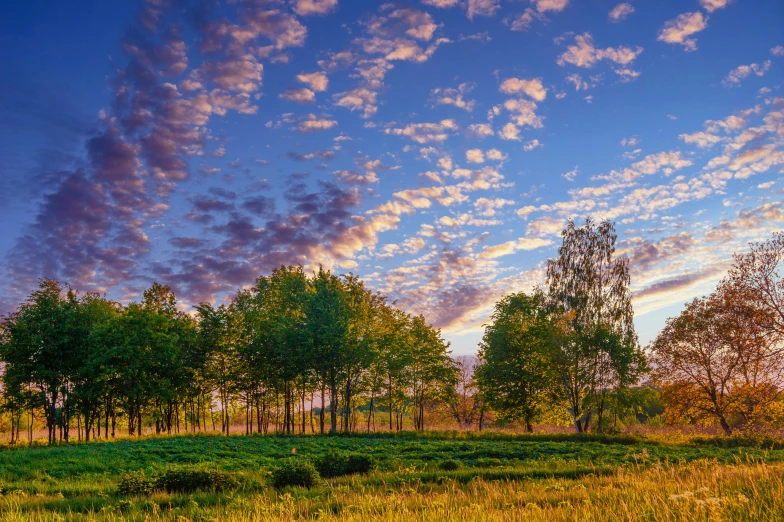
(499, 473)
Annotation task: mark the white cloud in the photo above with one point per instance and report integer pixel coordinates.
(455, 97)
(531, 145)
(743, 71)
(425, 132)
(496, 155)
(310, 7)
(571, 175)
(621, 11)
(482, 8)
(475, 156)
(532, 88)
(766, 185)
(630, 142)
(703, 140)
(441, 3)
(360, 98)
(481, 130)
(317, 81)
(509, 132)
(584, 54)
(488, 207)
(312, 123)
(550, 5)
(678, 30)
(712, 5)
(778, 50)
(298, 95)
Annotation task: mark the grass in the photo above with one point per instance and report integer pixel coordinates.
(498, 477)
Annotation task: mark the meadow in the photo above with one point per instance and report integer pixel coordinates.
(428, 476)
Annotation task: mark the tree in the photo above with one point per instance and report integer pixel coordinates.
(589, 288)
(516, 352)
(715, 363)
(466, 406)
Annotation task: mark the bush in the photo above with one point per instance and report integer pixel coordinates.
(137, 483)
(186, 481)
(449, 465)
(295, 472)
(335, 464)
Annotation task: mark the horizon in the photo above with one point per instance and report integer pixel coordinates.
(201, 148)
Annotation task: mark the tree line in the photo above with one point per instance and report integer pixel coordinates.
(321, 352)
(278, 348)
(571, 345)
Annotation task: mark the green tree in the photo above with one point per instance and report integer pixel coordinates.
(588, 286)
(516, 353)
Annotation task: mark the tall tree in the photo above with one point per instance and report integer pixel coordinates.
(589, 286)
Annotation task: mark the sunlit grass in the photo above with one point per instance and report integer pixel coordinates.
(519, 478)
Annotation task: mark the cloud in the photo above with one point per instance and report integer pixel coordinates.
(443, 4)
(312, 123)
(311, 7)
(482, 8)
(531, 145)
(481, 130)
(584, 54)
(317, 81)
(735, 76)
(361, 99)
(703, 140)
(475, 156)
(298, 95)
(778, 50)
(425, 132)
(621, 11)
(678, 30)
(550, 5)
(488, 207)
(630, 142)
(533, 88)
(571, 175)
(509, 132)
(510, 247)
(455, 97)
(712, 5)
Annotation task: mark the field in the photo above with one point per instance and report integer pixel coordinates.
(496, 477)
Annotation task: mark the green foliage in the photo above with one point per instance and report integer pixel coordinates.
(138, 482)
(187, 480)
(337, 464)
(449, 465)
(295, 472)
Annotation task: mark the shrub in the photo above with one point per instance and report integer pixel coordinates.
(488, 462)
(137, 483)
(186, 481)
(449, 465)
(335, 464)
(295, 472)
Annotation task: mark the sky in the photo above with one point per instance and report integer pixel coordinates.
(435, 148)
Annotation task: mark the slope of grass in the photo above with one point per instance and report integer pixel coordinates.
(500, 477)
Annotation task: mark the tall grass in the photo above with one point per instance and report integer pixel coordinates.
(498, 478)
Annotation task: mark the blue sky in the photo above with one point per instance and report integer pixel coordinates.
(434, 147)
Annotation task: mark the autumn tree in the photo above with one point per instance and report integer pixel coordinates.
(716, 363)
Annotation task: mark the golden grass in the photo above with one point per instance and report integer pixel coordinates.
(664, 492)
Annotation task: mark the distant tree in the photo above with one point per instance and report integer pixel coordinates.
(588, 286)
(432, 373)
(466, 406)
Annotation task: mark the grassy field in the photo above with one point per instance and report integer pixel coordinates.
(496, 477)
